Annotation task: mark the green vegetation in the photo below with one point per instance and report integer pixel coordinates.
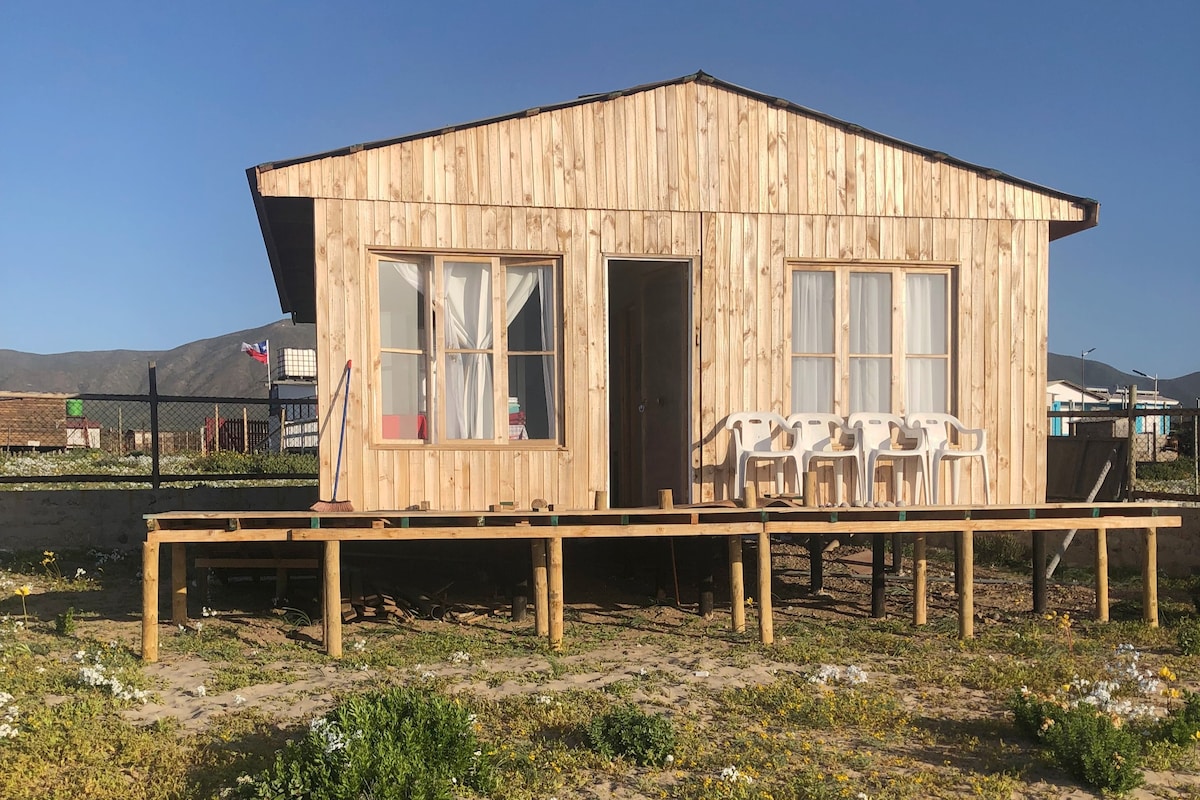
(629, 732)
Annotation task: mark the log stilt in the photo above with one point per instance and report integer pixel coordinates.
(1102, 574)
(1150, 578)
(766, 625)
(150, 601)
(966, 597)
(331, 597)
(1039, 572)
(179, 594)
(737, 586)
(920, 579)
(878, 577)
(541, 600)
(555, 568)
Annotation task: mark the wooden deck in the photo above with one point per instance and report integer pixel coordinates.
(547, 529)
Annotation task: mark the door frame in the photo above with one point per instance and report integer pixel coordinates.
(688, 265)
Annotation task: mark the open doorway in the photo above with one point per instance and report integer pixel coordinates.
(648, 371)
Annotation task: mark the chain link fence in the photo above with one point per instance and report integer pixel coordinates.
(112, 438)
(1159, 447)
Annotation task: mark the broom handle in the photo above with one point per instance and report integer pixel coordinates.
(337, 470)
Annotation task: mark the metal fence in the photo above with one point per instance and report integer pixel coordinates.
(156, 439)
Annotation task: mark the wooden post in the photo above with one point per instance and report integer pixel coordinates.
(1039, 572)
(150, 601)
(331, 572)
(737, 586)
(878, 577)
(816, 542)
(920, 575)
(750, 496)
(555, 567)
(541, 601)
(666, 499)
(1150, 578)
(766, 625)
(1102, 574)
(966, 598)
(179, 600)
(707, 588)
(601, 500)
(520, 600)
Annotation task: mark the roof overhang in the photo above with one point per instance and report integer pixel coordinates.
(287, 229)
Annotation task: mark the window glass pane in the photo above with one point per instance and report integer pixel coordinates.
(926, 378)
(812, 312)
(812, 385)
(531, 390)
(402, 305)
(469, 405)
(529, 309)
(870, 314)
(468, 305)
(925, 326)
(870, 384)
(403, 396)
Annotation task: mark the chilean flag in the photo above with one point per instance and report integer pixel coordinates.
(256, 351)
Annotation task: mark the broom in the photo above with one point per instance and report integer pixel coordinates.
(335, 504)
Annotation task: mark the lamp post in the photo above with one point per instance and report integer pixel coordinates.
(1153, 377)
(1083, 374)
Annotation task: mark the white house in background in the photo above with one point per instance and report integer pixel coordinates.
(1067, 396)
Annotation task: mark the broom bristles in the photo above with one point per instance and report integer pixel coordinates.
(325, 506)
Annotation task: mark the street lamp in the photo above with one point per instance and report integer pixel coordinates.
(1153, 377)
(1083, 370)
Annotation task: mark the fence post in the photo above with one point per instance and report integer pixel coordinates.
(1195, 450)
(1131, 398)
(154, 465)
(245, 431)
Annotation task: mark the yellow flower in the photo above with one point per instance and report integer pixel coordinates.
(749, 601)
(48, 553)
(23, 591)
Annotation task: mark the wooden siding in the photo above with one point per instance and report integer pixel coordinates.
(687, 171)
(681, 147)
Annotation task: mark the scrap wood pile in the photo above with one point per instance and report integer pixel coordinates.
(404, 606)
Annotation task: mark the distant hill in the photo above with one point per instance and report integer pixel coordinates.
(215, 367)
(1185, 389)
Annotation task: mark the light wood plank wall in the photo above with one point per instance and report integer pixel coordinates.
(686, 171)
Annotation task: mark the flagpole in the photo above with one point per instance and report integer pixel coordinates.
(268, 341)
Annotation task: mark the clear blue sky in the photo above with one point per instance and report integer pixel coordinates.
(126, 128)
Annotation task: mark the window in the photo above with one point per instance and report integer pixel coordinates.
(468, 348)
(870, 339)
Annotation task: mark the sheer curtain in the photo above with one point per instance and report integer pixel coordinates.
(521, 282)
(870, 334)
(470, 397)
(926, 335)
(812, 332)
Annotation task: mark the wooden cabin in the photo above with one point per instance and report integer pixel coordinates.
(574, 298)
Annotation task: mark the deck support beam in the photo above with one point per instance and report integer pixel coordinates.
(150, 601)
(920, 579)
(179, 593)
(331, 597)
(737, 586)
(1102, 574)
(1150, 578)
(966, 596)
(554, 547)
(541, 596)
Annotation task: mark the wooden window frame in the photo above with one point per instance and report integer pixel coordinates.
(434, 264)
(899, 272)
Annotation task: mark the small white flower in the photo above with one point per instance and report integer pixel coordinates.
(200, 691)
(79, 573)
(701, 673)
(238, 700)
(542, 699)
(360, 645)
(460, 657)
(427, 675)
(670, 759)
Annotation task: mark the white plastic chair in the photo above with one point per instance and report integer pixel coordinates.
(825, 437)
(946, 439)
(754, 435)
(876, 443)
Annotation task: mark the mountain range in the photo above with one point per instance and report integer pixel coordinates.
(214, 367)
(217, 367)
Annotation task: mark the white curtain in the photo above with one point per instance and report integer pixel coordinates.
(812, 332)
(521, 281)
(470, 410)
(870, 333)
(926, 334)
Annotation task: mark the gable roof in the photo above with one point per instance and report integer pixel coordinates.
(705, 78)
